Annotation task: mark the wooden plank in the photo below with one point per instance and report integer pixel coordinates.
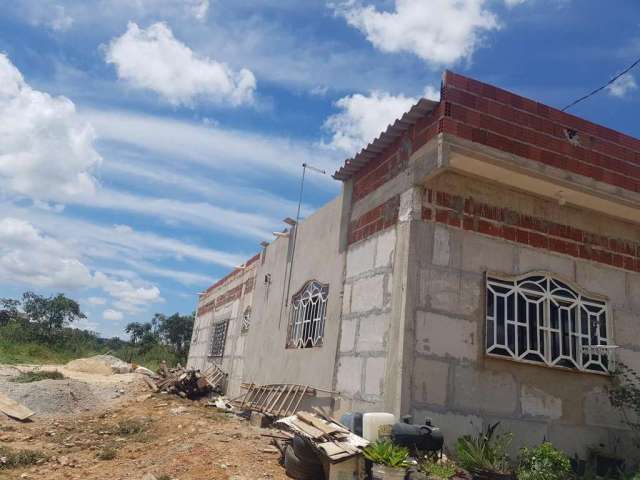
(320, 424)
(300, 399)
(310, 430)
(13, 409)
(152, 385)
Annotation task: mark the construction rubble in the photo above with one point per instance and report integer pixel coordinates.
(190, 384)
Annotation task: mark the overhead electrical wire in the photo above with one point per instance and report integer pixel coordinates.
(613, 80)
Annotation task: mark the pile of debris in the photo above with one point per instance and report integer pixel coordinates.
(190, 383)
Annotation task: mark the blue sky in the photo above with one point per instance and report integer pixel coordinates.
(148, 146)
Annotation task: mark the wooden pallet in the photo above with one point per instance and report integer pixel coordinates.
(215, 376)
(276, 400)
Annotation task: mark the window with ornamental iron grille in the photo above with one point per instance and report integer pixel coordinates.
(539, 319)
(308, 313)
(218, 338)
(246, 320)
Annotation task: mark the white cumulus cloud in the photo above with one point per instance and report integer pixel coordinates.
(363, 117)
(46, 150)
(623, 85)
(440, 32)
(112, 315)
(154, 59)
(127, 296)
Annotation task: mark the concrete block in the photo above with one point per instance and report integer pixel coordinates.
(577, 440)
(360, 257)
(626, 328)
(371, 334)
(441, 246)
(480, 254)
(349, 376)
(453, 425)
(385, 248)
(430, 381)
(630, 358)
(410, 204)
(367, 294)
(526, 433)
(346, 299)
(633, 285)
(446, 337)
(347, 335)
(530, 259)
(598, 410)
(603, 281)
(374, 376)
(451, 291)
(258, 419)
(485, 391)
(538, 403)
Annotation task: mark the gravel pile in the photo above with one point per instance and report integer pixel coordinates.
(59, 397)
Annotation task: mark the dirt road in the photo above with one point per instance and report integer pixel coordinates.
(157, 434)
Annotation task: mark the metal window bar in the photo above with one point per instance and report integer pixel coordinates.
(308, 313)
(538, 318)
(218, 338)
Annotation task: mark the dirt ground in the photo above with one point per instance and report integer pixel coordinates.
(158, 434)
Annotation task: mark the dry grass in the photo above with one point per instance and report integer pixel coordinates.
(19, 458)
(36, 376)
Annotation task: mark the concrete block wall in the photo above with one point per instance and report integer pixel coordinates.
(366, 317)
(463, 390)
(227, 301)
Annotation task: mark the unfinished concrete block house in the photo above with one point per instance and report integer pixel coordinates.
(482, 249)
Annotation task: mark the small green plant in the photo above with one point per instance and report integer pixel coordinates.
(36, 376)
(486, 452)
(438, 470)
(130, 427)
(106, 453)
(384, 452)
(544, 462)
(625, 396)
(19, 458)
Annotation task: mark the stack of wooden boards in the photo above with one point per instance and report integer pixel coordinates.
(329, 437)
(189, 383)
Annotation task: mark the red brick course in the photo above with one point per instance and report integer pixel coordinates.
(233, 274)
(500, 222)
(383, 216)
(227, 297)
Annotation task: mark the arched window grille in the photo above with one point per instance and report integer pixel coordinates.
(246, 320)
(538, 318)
(308, 313)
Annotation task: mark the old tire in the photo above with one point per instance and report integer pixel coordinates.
(299, 469)
(304, 451)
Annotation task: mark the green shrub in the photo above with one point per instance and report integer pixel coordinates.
(486, 452)
(36, 376)
(544, 462)
(107, 453)
(19, 458)
(384, 452)
(440, 470)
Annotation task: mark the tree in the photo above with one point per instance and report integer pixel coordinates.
(9, 310)
(50, 314)
(138, 331)
(175, 330)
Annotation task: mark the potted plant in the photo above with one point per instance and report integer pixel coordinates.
(389, 461)
(485, 455)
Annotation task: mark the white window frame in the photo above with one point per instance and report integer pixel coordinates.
(560, 340)
(308, 315)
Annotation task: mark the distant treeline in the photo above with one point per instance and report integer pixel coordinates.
(39, 329)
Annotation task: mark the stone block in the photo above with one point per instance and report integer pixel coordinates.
(485, 391)
(446, 337)
(530, 260)
(374, 376)
(349, 376)
(481, 254)
(367, 294)
(346, 299)
(451, 291)
(538, 403)
(430, 382)
(258, 419)
(441, 246)
(347, 335)
(385, 247)
(372, 332)
(603, 281)
(360, 257)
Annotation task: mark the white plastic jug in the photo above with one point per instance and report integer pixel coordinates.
(377, 425)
